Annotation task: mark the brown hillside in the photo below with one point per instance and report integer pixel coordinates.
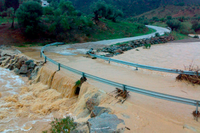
(174, 11)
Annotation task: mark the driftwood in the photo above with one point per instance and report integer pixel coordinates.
(123, 94)
(194, 79)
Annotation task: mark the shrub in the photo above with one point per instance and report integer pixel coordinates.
(65, 125)
(185, 28)
(157, 35)
(196, 36)
(173, 24)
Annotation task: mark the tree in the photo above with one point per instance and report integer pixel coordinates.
(169, 17)
(101, 9)
(29, 18)
(12, 3)
(2, 5)
(173, 24)
(195, 26)
(112, 13)
(11, 14)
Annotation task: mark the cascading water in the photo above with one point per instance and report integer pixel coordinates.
(24, 108)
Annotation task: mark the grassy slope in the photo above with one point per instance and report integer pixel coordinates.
(178, 36)
(114, 31)
(119, 30)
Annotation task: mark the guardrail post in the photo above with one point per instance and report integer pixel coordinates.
(197, 107)
(45, 59)
(83, 74)
(58, 66)
(41, 54)
(124, 87)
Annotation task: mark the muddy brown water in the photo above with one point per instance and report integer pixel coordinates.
(32, 108)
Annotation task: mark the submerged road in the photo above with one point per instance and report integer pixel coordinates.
(154, 81)
(82, 48)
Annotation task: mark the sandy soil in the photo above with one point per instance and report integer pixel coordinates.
(146, 114)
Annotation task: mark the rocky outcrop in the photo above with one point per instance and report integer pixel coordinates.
(21, 65)
(106, 123)
(97, 111)
(119, 49)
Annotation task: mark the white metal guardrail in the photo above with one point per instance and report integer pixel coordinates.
(125, 87)
(177, 71)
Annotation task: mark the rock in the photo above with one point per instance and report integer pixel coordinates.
(81, 128)
(39, 63)
(119, 51)
(20, 62)
(10, 67)
(28, 62)
(97, 111)
(34, 72)
(85, 113)
(16, 71)
(3, 58)
(109, 55)
(31, 65)
(23, 69)
(106, 123)
(91, 102)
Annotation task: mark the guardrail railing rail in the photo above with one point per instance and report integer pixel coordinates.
(182, 100)
(176, 71)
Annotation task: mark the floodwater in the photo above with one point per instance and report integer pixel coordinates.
(29, 107)
(32, 108)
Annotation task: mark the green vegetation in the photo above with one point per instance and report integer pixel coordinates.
(65, 125)
(196, 36)
(120, 30)
(178, 36)
(29, 18)
(101, 9)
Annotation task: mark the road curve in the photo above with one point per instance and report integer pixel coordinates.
(159, 30)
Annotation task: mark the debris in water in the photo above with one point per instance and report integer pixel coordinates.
(123, 94)
(196, 114)
(194, 79)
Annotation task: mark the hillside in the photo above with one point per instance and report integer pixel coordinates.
(132, 7)
(172, 10)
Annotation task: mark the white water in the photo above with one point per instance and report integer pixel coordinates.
(20, 108)
(9, 82)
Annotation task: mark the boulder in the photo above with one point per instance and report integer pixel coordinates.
(23, 69)
(31, 65)
(34, 72)
(93, 101)
(28, 62)
(16, 71)
(81, 128)
(97, 111)
(106, 123)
